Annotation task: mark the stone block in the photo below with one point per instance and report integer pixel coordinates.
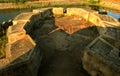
(18, 27)
(22, 17)
(15, 36)
(101, 58)
(112, 31)
(58, 10)
(26, 65)
(20, 58)
(46, 12)
(36, 11)
(76, 11)
(21, 46)
(108, 19)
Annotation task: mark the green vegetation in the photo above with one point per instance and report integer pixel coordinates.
(14, 1)
(58, 5)
(3, 41)
(19, 4)
(93, 1)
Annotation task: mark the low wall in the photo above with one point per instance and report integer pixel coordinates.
(101, 59)
(23, 55)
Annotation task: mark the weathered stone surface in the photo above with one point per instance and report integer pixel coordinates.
(16, 36)
(15, 50)
(58, 10)
(104, 57)
(18, 27)
(113, 32)
(21, 46)
(76, 11)
(91, 17)
(107, 18)
(26, 65)
(109, 40)
(46, 12)
(22, 17)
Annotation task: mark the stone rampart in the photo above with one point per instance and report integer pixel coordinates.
(23, 52)
(101, 58)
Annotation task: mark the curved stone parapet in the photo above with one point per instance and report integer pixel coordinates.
(21, 50)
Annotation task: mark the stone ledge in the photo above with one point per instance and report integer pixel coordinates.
(28, 64)
(59, 10)
(22, 17)
(100, 57)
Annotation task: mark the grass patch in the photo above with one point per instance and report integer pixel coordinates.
(3, 41)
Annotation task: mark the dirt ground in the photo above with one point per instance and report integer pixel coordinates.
(71, 24)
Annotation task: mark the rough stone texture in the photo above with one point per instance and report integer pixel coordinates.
(107, 18)
(20, 47)
(76, 11)
(16, 32)
(22, 17)
(114, 42)
(102, 59)
(91, 17)
(26, 65)
(113, 32)
(59, 10)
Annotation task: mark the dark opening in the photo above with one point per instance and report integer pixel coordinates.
(98, 75)
(119, 54)
(119, 19)
(65, 10)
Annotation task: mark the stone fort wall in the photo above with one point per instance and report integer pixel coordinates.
(23, 54)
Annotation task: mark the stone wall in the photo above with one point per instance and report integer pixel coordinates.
(23, 55)
(99, 20)
(101, 59)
